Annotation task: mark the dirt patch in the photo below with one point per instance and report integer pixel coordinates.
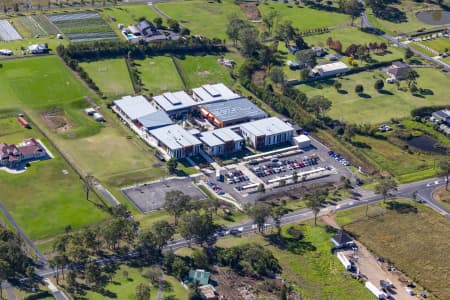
(442, 195)
(258, 77)
(55, 119)
(330, 219)
(204, 73)
(235, 287)
(251, 11)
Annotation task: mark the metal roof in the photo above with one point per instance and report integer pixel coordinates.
(154, 120)
(214, 92)
(336, 66)
(174, 137)
(174, 101)
(234, 109)
(266, 127)
(220, 136)
(135, 107)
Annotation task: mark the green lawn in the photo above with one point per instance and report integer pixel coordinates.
(159, 75)
(128, 14)
(317, 274)
(403, 236)
(410, 8)
(198, 70)
(43, 200)
(396, 161)
(111, 76)
(305, 18)
(38, 82)
(124, 287)
(440, 45)
(378, 107)
(348, 36)
(205, 18)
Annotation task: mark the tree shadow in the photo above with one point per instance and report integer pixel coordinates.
(393, 14)
(342, 92)
(292, 245)
(426, 92)
(402, 208)
(168, 287)
(364, 95)
(385, 92)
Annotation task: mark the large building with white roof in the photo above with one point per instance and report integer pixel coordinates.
(221, 141)
(330, 69)
(176, 141)
(266, 132)
(213, 92)
(175, 104)
(134, 107)
(231, 112)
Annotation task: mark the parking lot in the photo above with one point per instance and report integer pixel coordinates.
(150, 196)
(240, 180)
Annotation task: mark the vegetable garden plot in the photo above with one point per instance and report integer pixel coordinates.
(8, 32)
(83, 27)
(38, 25)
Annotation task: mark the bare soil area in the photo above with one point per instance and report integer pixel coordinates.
(56, 120)
(251, 11)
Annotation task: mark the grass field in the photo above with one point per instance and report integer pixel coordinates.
(409, 8)
(440, 45)
(51, 200)
(353, 35)
(395, 160)
(205, 18)
(404, 237)
(305, 18)
(317, 274)
(372, 108)
(128, 14)
(38, 82)
(159, 75)
(198, 70)
(111, 76)
(123, 287)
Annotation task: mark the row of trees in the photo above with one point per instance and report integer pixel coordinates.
(14, 261)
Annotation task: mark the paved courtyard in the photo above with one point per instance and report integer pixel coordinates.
(150, 196)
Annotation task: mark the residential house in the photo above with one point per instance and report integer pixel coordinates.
(38, 49)
(13, 156)
(442, 116)
(398, 70)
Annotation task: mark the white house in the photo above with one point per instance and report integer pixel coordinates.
(38, 49)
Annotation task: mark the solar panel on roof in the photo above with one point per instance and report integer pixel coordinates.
(172, 99)
(211, 90)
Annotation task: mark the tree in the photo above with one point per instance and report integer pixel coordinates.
(336, 46)
(248, 37)
(285, 32)
(142, 291)
(337, 85)
(277, 75)
(304, 74)
(197, 226)
(408, 53)
(385, 186)
(172, 165)
(354, 8)
(173, 25)
(283, 293)
(200, 259)
(176, 202)
(271, 19)
(71, 279)
(234, 26)
(158, 22)
(180, 268)
(411, 77)
(444, 170)
(413, 88)
(300, 42)
(277, 213)
(306, 57)
(319, 105)
(93, 274)
(146, 244)
(359, 88)
(379, 84)
(261, 188)
(315, 200)
(259, 213)
(163, 232)
(154, 274)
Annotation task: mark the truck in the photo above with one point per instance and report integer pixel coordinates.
(23, 122)
(376, 291)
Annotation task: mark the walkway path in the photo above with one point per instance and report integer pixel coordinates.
(9, 290)
(162, 282)
(59, 295)
(158, 11)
